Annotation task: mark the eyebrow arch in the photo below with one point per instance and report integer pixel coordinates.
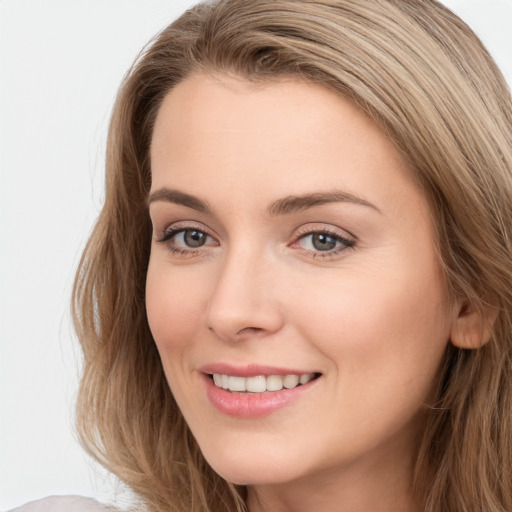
(291, 204)
(283, 206)
(175, 196)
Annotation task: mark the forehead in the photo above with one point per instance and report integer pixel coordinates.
(225, 136)
(230, 103)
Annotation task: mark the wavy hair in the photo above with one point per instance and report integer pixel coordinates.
(425, 78)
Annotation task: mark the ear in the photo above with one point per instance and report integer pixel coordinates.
(472, 327)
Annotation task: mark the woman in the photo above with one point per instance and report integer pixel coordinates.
(297, 295)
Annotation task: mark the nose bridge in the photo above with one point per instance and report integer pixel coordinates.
(243, 300)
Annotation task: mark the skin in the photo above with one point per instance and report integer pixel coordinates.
(373, 318)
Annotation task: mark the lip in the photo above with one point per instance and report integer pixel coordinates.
(245, 405)
(251, 370)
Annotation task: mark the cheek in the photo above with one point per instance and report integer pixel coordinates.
(384, 341)
(174, 308)
(370, 324)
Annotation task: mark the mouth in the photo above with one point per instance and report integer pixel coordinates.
(253, 390)
(260, 383)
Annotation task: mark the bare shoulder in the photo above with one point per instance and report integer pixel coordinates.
(65, 504)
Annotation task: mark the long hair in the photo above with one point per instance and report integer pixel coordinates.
(425, 78)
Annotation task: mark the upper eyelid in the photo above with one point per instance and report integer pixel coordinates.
(325, 228)
(186, 225)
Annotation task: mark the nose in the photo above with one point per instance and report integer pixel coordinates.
(244, 302)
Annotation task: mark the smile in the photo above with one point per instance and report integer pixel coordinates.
(256, 390)
(261, 383)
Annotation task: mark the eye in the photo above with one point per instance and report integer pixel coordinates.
(184, 240)
(323, 243)
(192, 238)
(319, 242)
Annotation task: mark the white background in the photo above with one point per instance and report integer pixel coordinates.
(60, 65)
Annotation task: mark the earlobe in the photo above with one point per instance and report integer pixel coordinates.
(472, 328)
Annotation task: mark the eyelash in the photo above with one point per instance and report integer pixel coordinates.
(346, 242)
(168, 236)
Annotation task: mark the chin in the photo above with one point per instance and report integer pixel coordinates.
(254, 475)
(249, 469)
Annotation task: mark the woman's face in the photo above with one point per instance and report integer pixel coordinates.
(291, 246)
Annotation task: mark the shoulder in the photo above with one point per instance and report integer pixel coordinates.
(65, 504)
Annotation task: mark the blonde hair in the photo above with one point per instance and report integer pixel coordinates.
(419, 72)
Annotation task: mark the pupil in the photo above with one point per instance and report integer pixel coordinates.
(323, 242)
(194, 238)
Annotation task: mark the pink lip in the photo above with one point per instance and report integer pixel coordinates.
(251, 370)
(244, 405)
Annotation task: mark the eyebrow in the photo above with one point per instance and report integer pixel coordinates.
(283, 206)
(175, 196)
(291, 204)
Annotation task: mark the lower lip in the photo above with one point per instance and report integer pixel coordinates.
(245, 405)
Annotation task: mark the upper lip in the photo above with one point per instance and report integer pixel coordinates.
(250, 370)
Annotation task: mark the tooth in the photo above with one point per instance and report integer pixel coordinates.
(274, 383)
(290, 381)
(256, 384)
(236, 383)
(260, 383)
(304, 379)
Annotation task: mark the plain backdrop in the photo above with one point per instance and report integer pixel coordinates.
(60, 65)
